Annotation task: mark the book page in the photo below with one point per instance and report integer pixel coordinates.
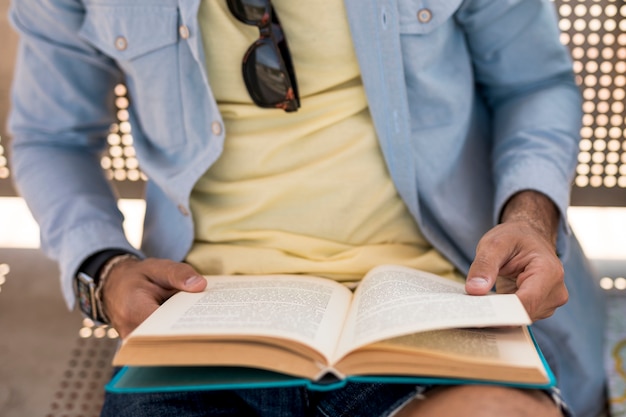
(395, 301)
(502, 355)
(510, 345)
(307, 309)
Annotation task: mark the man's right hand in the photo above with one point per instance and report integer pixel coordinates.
(136, 288)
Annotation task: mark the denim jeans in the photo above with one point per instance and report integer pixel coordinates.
(354, 400)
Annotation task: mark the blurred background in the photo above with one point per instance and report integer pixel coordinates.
(54, 363)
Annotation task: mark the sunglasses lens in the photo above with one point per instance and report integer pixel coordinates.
(267, 67)
(264, 77)
(249, 11)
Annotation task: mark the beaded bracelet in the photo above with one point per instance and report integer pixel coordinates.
(102, 277)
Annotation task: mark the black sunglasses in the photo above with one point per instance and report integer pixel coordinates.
(267, 68)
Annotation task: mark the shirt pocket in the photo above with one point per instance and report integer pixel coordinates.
(143, 40)
(421, 17)
(128, 32)
(436, 61)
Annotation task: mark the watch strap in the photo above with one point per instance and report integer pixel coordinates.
(92, 266)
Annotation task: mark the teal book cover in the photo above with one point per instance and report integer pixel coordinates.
(144, 379)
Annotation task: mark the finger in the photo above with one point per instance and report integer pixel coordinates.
(482, 275)
(494, 250)
(539, 299)
(172, 275)
(506, 284)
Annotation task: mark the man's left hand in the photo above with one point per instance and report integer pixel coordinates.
(519, 256)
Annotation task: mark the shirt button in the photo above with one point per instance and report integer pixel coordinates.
(183, 31)
(216, 128)
(424, 15)
(121, 43)
(183, 210)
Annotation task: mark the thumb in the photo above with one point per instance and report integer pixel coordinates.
(481, 277)
(194, 283)
(176, 275)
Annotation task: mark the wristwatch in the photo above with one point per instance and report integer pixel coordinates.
(86, 284)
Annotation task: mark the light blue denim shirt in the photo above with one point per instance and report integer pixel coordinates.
(472, 102)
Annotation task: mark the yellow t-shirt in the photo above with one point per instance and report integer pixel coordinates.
(304, 192)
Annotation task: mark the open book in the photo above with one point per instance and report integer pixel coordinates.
(399, 324)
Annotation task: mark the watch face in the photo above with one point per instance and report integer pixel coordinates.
(85, 291)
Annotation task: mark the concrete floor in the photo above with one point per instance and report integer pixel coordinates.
(46, 368)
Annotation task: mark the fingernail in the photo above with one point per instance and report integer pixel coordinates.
(191, 281)
(479, 282)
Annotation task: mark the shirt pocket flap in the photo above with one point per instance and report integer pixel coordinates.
(127, 32)
(424, 16)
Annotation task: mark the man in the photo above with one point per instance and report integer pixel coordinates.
(439, 135)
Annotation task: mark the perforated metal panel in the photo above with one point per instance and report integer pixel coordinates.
(80, 390)
(595, 32)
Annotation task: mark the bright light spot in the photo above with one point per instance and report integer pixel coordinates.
(606, 283)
